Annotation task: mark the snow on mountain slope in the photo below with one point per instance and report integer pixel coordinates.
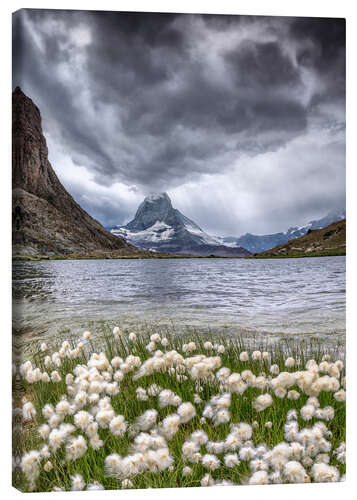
(158, 226)
(157, 232)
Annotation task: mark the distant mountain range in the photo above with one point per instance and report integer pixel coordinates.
(158, 226)
(259, 243)
(330, 240)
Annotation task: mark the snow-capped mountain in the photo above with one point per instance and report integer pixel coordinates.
(259, 243)
(160, 227)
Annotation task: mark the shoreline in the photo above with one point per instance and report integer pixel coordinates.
(165, 256)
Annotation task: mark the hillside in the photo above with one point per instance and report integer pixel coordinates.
(330, 240)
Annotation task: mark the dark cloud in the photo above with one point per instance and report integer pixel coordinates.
(156, 101)
(263, 65)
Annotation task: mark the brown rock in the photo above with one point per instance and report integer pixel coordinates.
(46, 219)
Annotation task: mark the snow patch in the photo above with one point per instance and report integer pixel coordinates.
(209, 240)
(156, 233)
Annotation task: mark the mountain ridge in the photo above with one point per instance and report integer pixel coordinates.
(260, 243)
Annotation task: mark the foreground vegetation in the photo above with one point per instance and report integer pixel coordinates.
(125, 410)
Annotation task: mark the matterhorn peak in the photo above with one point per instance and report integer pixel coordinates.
(160, 227)
(154, 197)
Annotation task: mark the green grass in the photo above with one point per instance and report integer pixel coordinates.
(326, 253)
(91, 466)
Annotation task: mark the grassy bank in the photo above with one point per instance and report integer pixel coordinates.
(327, 253)
(125, 410)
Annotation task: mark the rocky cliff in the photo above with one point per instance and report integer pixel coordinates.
(47, 221)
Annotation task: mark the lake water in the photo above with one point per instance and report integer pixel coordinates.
(262, 297)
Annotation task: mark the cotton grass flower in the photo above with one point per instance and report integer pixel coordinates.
(262, 402)
(55, 376)
(118, 425)
(95, 442)
(259, 477)
(48, 466)
(256, 355)
(289, 362)
(190, 347)
(207, 480)
(151, 347)
(231, 460)
(247, 453)
(141, 394)
(170, 425)
(186, 471)
(76, 448)
(200, 437)
(44, 431)
(186, 412)
(307, 412)
(274, 369)
(30, 466)
(56, 438)
(78, 483)
(340, 395)
(168, 397)
(244, 356)
(294, 472)
(116, 332)
(147, 420)
(28, 411)
(293, 395)
(323, 473)
(210, 462)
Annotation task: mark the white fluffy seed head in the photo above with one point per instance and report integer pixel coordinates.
(262, 402)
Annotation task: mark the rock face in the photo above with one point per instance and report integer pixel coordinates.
(160, 227)
(330, 240)
(46, 219)
(259, 243)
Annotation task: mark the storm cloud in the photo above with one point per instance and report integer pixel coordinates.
(241, 119)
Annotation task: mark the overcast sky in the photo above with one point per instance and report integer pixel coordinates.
(240, 119)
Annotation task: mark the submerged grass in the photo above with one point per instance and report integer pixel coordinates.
(267, 425)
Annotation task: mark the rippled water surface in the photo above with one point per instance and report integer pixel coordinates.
(292, 296)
